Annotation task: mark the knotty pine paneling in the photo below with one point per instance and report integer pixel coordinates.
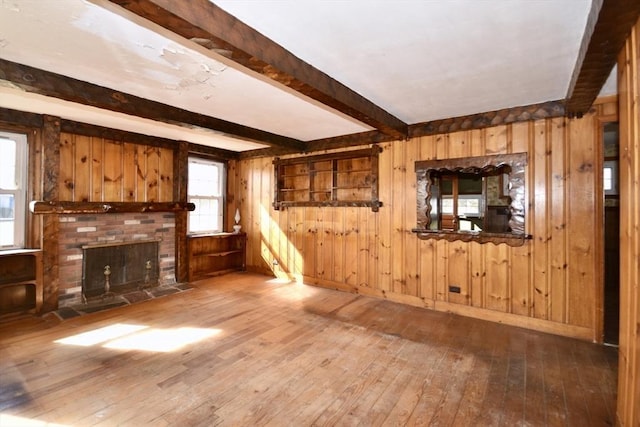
(95, 169)
(628, 411)
(129, 180)
(521, 296)
(112, 170)
(151, 156)
(550, 283)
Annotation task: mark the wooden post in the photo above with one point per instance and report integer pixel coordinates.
(50, 191)
(181, 177)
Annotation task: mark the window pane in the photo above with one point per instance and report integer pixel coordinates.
(468, 206)
(13, 184)
(607, 178)
(206, 216)
(470, 185)
(446, 186)
(204, 179)
(7, 232)
(447, 205)
(7, 207)
(7, 220)
(8, 169)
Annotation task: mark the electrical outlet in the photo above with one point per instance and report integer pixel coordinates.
(454, 289)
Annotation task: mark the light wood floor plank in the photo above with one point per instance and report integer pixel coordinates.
(289, 354)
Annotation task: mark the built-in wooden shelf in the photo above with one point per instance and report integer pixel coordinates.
(215, 254)
(348, 178)
(21, 281)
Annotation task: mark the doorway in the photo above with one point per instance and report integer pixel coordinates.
(611, 234)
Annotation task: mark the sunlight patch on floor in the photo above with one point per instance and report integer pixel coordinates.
(14, 421)
(122, 336)
(162, 340)
(279, 281)
(297, 292)
(97, 336)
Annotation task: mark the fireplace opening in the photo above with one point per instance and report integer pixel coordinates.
(112, 268)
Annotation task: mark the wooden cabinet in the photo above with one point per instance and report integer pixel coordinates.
(20, 281)
(215, 254)
(347, 178)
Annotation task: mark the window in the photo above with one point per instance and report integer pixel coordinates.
(478, 199)
(461, 201)
(205, 191)
(13, 188)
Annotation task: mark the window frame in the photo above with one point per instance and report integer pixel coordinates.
(428, 197)
(456, 197)
(221, 198)
(20, 193)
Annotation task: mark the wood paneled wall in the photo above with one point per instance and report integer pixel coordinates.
(629, 361)
(94, 169)
(552, 283)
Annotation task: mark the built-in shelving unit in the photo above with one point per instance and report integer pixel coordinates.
(337, 179)
(215, 254)
(21, 281)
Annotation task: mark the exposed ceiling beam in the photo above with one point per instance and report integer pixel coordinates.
(58, 86)
(20, 118)
(212, 27)
(608, 26)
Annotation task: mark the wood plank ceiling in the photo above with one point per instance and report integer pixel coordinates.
(209, 27)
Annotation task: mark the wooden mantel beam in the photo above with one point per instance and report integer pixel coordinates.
(209, 25)
(58, 86)
(54, 207)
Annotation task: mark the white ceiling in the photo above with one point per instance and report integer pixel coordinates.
(419, 60)
(426, 60)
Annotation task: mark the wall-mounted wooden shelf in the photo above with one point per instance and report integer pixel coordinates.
(337, 179)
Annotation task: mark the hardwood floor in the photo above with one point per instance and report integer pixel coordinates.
(260, 352)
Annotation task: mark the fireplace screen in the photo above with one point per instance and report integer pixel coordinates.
(120, 266)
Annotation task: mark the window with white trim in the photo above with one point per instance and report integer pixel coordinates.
(13, 189)
(206, 191)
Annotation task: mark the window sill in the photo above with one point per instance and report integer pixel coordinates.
(213, 234)
(510, 239)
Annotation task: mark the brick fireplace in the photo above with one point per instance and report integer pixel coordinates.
(77, 231)
(109, 268)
